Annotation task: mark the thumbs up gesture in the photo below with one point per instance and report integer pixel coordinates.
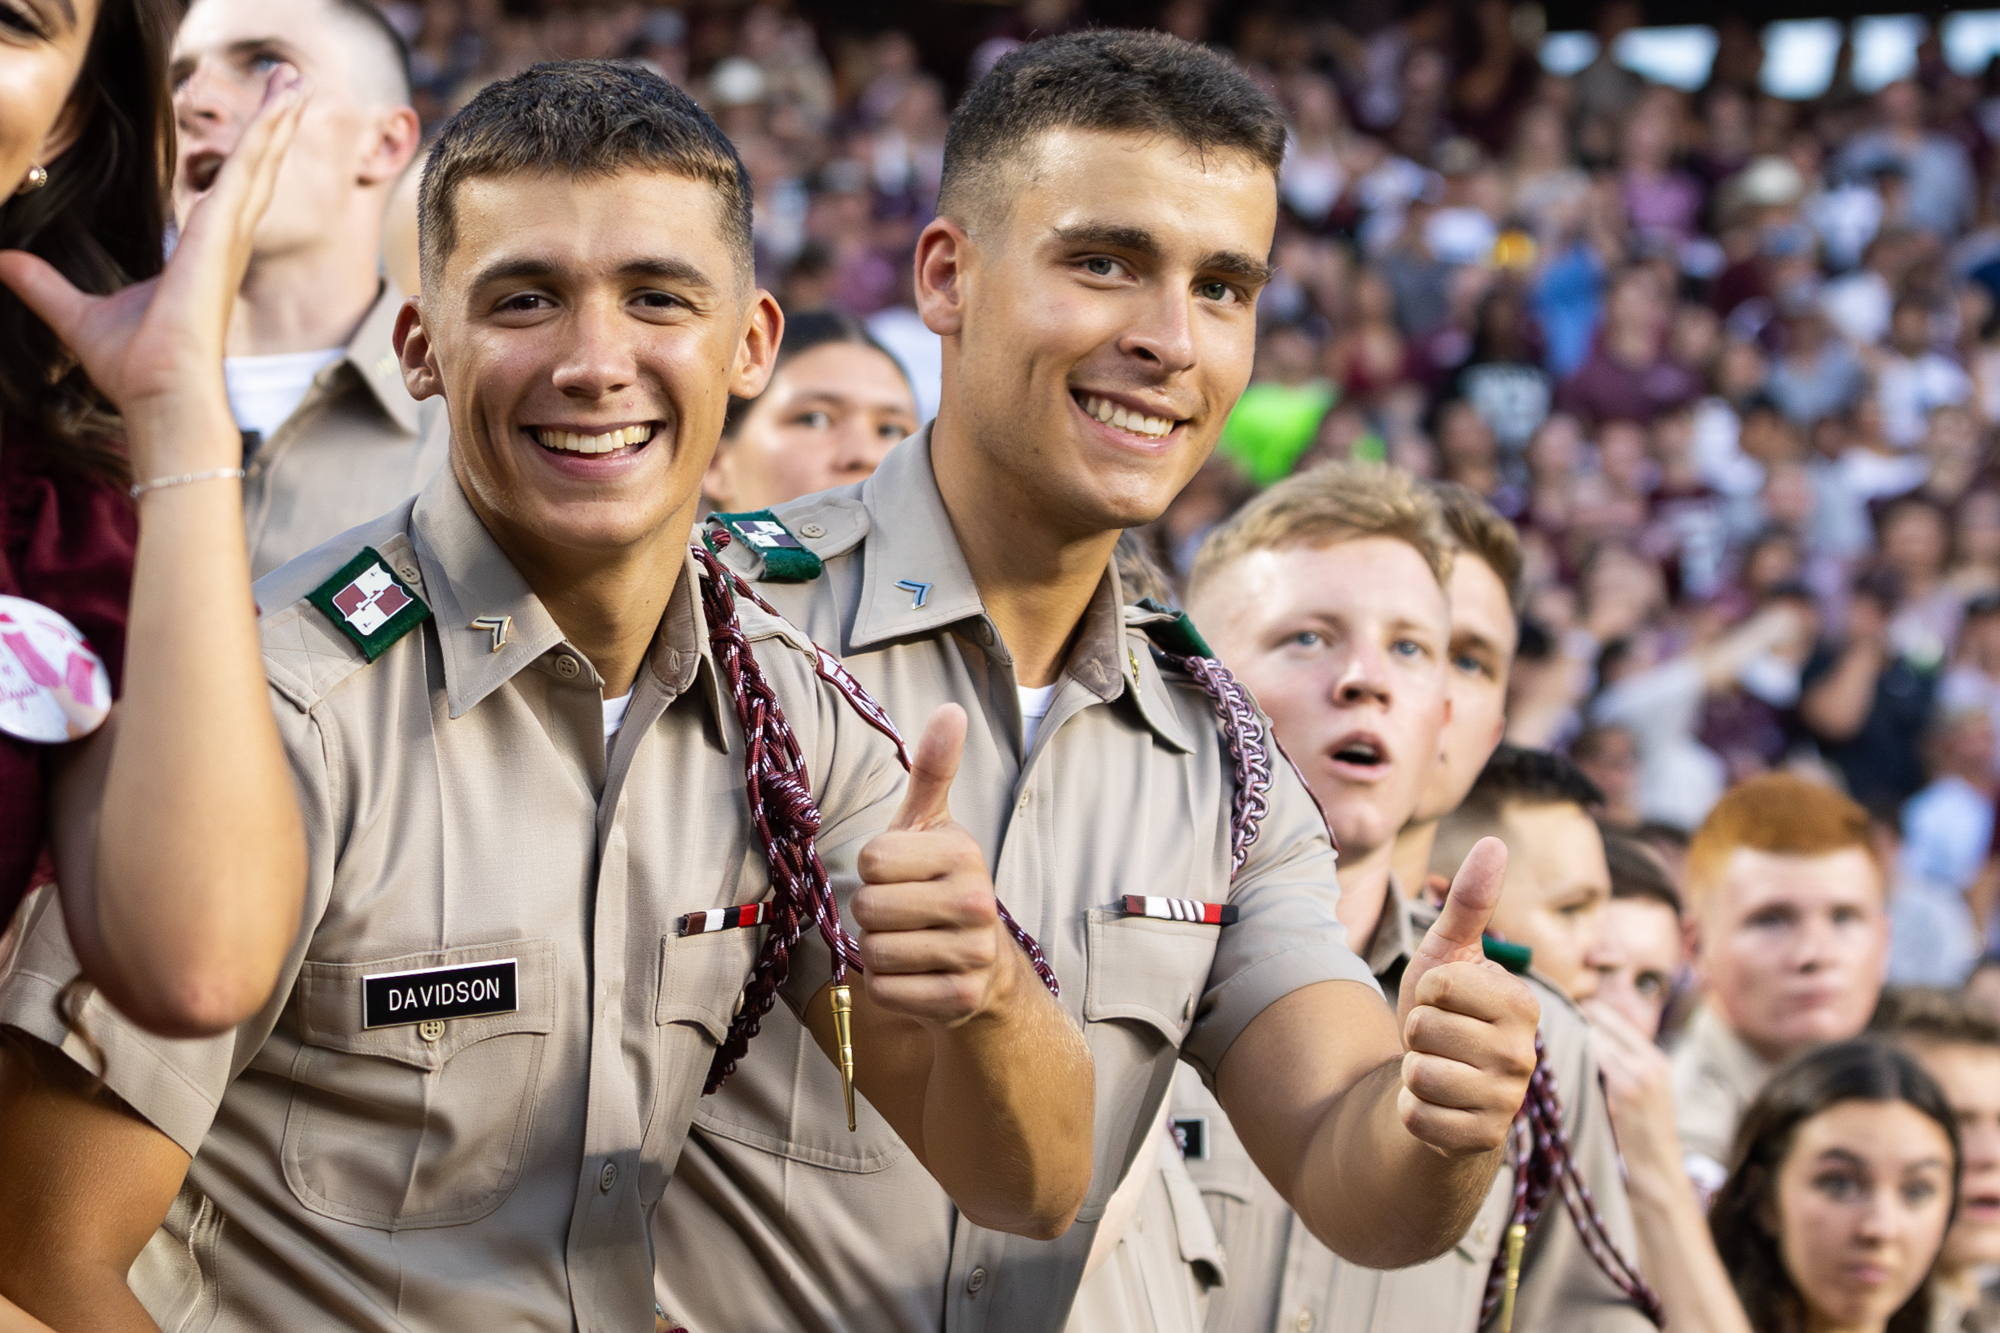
(1468, 1024)
(932, 946)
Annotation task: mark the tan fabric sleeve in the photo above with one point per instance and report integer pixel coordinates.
(1286, 935)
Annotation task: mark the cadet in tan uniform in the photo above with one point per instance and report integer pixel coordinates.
(1107, 206)
(1317, 593)
(535, 869)
(331, 435)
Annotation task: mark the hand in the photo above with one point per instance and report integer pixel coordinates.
(932, 946)
(1638, 1085)
(1468, 1024)
(157, 345)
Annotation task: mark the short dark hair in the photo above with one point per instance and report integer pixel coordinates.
(1863, 1070)
(1934, 1016)
(1112, 80)
(583, 118)
(1532, 777)
(1636, 873)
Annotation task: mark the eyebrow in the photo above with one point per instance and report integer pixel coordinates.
(1139, 241)
(540, 266)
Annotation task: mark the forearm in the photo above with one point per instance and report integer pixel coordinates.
(1007, 1113)
(71, 1300)
(1836, 707)
(1678, 1254)
(200, 865)
(1373, 1193)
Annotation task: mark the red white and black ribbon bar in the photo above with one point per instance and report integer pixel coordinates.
(1180, 909)
(725, 918)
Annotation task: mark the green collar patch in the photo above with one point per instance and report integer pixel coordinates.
(786, 560)
(1514, 957)
(1177, 636)
(369, 604)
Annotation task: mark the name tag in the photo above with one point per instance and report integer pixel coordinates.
(465, 991)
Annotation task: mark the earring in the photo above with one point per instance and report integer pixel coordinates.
(37, 177)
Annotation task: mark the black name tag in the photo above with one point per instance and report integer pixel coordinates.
(1191, 1133)
(466, 991)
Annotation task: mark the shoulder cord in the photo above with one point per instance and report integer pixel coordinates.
(1245, 735)
(1541, 1151)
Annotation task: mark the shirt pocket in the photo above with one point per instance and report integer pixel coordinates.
(1146, 970)
(389, 1130)
(702, 978)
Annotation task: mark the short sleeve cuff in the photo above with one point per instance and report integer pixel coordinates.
(1229, 1007)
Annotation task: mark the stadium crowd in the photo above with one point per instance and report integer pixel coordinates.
(1653, 434)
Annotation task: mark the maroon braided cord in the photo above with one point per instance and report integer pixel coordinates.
(831, 671)
(787, 820)
(1240, 727)
(1544, 1165)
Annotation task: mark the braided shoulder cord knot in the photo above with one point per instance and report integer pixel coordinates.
(1245, 735)
(1543, 1165)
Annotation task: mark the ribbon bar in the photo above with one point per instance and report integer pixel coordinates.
(1180, 909)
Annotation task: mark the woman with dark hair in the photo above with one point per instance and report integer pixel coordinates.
(1844, 1181)
(172, 832)
(836, 403)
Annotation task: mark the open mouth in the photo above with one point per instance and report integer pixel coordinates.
(611, 443)
(1982, 1207)
(1363, 752)
(1119, 417)
(202, 169)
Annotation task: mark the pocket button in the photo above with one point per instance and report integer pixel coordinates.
(607, 1177)
(431, 1029)
(975, 1280)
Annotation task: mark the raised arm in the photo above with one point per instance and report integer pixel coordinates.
(86, 1184)
(179, 848)
(957, 1042)
(1385, 1147)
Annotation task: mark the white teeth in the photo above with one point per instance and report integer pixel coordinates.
(1122, 418)
(571, 442)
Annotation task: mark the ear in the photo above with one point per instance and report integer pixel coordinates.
(944, 255)
(421, 375)
(391, 142)
(757, 349)
(718, 484)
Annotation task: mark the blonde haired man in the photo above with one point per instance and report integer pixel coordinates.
(1328, 596)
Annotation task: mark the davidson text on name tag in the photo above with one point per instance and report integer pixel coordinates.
(466, 991)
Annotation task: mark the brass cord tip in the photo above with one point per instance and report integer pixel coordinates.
(1517, 1237)
(843, 1032)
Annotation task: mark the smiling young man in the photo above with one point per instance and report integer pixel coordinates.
(1108, 203)
(535, 872)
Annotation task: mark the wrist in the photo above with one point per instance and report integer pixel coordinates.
(181, 433)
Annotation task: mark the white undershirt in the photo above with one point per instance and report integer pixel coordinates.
(1034, 707)
(265, 390)
(614, 716)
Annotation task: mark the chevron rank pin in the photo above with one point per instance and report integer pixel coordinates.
(1180, 909)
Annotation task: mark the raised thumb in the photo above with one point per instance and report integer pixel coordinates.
(933, 765)
(1475, 892)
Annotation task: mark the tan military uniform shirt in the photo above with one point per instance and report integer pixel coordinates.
(778, 1219)
(493, 1172)
(1282, 1280)
(356, 447)
(1716, 1077)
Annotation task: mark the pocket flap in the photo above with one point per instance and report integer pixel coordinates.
(331, 1013)
(1147, 969)
(702, 977)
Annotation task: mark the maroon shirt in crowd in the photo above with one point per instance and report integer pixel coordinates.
(67, 538)
(1606, 389)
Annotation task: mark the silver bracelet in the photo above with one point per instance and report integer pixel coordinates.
(160, 483)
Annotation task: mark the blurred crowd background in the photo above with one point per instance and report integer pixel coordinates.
(1709, 312)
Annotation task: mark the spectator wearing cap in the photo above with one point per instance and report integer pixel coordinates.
(1628, 374)
(1786, 902)
(1939, 194)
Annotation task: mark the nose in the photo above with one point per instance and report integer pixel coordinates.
(1362, 677)
(599, 361)
(1163, 335)
(198, 101)
(858, 445)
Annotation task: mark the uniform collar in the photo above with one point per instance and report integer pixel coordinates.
(1716, 1043)
(1395, 937)
(372, 353)
(467, 576)
(912, 544)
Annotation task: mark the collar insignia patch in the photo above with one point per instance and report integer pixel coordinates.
(919, 592)
(786, 559)
(369, 604)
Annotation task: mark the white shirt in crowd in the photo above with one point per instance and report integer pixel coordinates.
(264, 391)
